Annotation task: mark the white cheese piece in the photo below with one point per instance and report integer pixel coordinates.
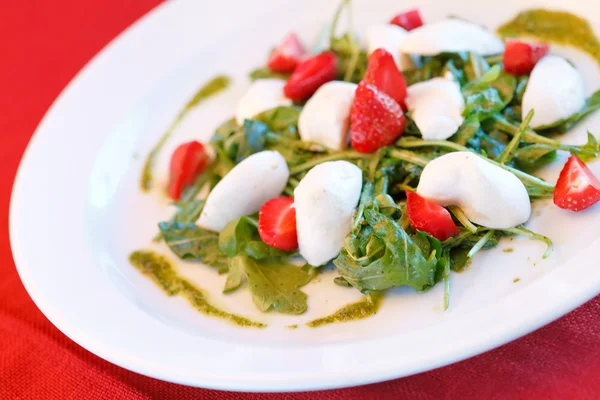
(436, 106)
(252, 182)
(325, 200)
(488, 195)
(555, 91)
(325, 117)
(262, 95)
(450, 35)
(388, 37)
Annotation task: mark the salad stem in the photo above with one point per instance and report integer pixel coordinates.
(509, 150)
(462, 218)
(446, 286)
(336, 18)
(409, 156)
(530, 136)
(340, 155)
(520, 230)
(480, 243)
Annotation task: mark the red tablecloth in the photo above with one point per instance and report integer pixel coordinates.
(42, 46)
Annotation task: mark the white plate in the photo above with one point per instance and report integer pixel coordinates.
(76, 213)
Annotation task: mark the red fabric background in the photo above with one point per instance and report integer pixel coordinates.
(42, 46)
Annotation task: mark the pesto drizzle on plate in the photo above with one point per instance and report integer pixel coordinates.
(209, 89)
(354, 311)
(159, 269)
(554, 26)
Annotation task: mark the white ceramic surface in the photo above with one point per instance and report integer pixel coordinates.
(76, 214)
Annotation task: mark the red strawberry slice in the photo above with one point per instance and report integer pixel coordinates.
(376, 119)
(277, 223)
(577, 187)
(520, 57)
(309, 75)
(383, 73)
(187, 162)
(426, 216)
(287, 55)
(408, 20)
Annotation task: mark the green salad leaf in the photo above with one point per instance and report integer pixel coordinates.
(241, 236)
(190, 242)
(275, 285)
(534, 156)
(383, 255)
(466, 131)
(272, 280)
(489, 94)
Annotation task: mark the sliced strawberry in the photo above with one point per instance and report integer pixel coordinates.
(577, 187)
(520, 57)
(277, 223)
(383, 73)
(287, 55)
(376, 119)
(309, 75)
(408, 20)
(428, 217)
(187, 162)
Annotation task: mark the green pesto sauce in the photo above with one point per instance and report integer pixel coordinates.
(158, 268)
(554, 26)
(361, 309)
(211, 88)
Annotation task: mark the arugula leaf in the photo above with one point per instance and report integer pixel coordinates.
(272, 281)
(430, 68)
(235, 276)
(512, 113)
(438, 65)
(522, 82)
(190, 242)
(563, 125)
(459, 259)
(475, 67)
(254, 139)
(235, 235)
(241, 236)
(281, 119)
(466, 131)
(457, 73)
(534, 156)
(489, 94)
(389, 257)
(275, 285)
(187, 211)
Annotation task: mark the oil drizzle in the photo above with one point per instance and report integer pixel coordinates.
(364, 308)
(160, 270)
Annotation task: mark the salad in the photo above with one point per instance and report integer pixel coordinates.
(397, 159)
